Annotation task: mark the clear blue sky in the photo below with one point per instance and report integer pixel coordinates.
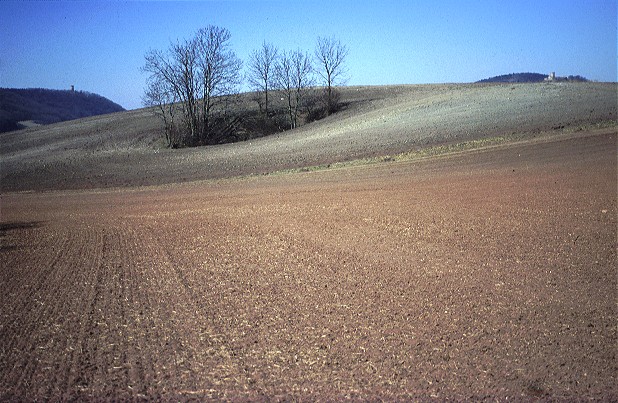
(100, 46)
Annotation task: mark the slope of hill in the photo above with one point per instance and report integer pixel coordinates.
(126, 148)
(44, 106)
(528, 78)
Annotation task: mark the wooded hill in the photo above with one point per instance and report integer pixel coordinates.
(45, 106)
(527, 78)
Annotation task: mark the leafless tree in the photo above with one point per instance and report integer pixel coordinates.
(219, 69)
(160, 96)
(261, 68)
(330, 54)
(187, 80)
(175, 72)
(205, 67)
(294, 79)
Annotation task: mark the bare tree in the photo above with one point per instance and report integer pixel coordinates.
(219, 69)
(205, 67)
(330, 54)
(293, 78)
(175, 71)
(159, 95)
(187, 81)
(261, 69)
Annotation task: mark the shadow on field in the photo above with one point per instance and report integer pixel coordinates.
(7, 227)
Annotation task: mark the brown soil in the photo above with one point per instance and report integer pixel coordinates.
(479, 275)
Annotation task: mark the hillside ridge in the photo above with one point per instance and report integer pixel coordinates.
(128, 149)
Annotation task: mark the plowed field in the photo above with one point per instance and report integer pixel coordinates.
(485, 274)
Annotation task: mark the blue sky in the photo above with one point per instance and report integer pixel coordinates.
(100, 46)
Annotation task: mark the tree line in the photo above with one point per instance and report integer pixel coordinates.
(192, 83)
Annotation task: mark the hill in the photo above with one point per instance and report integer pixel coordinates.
(484, 272)
(528, 78)
(127, 148)
(44, 106)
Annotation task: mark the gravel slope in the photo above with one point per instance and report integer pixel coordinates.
(123, 149)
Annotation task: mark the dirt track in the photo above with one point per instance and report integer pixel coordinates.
(486, 274)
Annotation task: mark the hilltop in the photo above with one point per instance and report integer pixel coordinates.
(128, 149)
(528, 78)
(20, 108)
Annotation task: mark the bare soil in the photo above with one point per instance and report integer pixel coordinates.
(483, 275)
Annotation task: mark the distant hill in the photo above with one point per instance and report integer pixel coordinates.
(527, 78)
(44, 106)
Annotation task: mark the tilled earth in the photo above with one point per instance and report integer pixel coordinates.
(479, 275)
